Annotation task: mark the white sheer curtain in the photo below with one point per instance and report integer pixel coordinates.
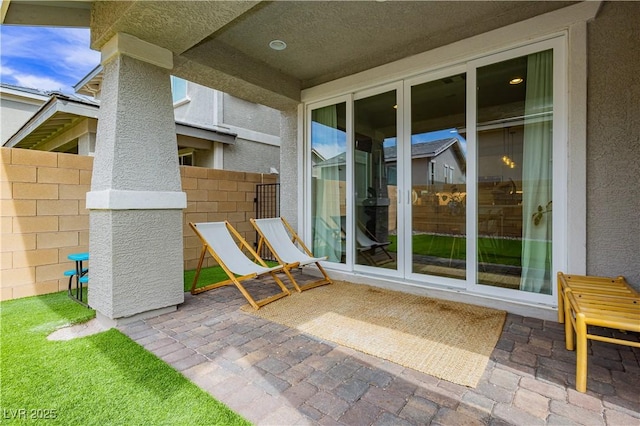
(327, 239)
(537, 175)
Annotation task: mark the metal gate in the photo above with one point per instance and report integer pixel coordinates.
(267, 203)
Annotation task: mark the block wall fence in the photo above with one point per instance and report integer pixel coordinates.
(43, 216)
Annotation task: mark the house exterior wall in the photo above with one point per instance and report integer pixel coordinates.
(43, 217)
(252, 156)
(613, 144)
(199, 109)
(259, 118)
(14, 114)
(257, 126)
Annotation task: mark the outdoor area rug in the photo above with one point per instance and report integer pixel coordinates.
(452, 341)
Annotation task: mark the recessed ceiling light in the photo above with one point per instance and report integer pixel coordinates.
(277, 45)
(516, 80)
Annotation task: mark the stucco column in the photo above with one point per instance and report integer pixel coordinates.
(290, 140)
(135, 204)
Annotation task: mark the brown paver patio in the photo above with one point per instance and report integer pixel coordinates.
(274, 375)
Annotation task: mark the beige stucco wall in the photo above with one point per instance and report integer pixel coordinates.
(613, 142)
(43, 217)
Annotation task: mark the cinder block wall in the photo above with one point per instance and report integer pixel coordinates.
(43, 216)
(217, 195)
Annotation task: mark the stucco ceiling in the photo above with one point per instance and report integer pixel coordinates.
(225, 44)
(328, 40)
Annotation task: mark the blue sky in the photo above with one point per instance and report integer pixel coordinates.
(45, 58)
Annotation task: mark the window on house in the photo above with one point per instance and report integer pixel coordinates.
(185, 157)
(178, 89)
(432, 172)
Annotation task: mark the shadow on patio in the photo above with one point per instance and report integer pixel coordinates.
(272, 374)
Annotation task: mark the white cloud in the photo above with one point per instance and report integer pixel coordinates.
(42, 83)
(46, 58)
(8, 71)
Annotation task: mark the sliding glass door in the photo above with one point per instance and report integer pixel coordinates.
(447, 178)
(515, 179)
(328, 136)
(437, 176)
(375, 195)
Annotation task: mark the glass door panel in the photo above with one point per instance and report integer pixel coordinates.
(438, 177)
(375, 180)
(514, 146)
(328, 181)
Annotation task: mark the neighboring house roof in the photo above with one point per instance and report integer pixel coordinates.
(63, 111)
(25, 92)
(90, 83)
(419, 150)
(207, 133)
(317, 156)
(422, 149)
(338, 160)
(59, 113)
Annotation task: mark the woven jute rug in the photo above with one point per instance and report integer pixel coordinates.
(452, 341)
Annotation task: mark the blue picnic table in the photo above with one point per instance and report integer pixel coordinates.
(79, 275)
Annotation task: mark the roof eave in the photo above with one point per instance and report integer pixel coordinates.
(46, 112)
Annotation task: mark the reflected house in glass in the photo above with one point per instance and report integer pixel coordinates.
(435, 162)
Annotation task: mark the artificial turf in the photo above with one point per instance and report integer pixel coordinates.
(101, 379)
(497, 251)
(210, 275)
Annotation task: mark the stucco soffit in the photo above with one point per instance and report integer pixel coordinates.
(47, 13)
(222, 59)
(176, 26)
(473, 47)
(3, 10)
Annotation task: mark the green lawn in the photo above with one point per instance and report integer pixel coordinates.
(207, 276)
(493, 250)
(102, 379)
(210, 275)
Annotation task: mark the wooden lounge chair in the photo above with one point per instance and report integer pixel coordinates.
(281, 240)
(217, 239)
(367, 246)
(374, 252)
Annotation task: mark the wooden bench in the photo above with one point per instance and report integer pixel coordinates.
(590, 284)
(596, 301)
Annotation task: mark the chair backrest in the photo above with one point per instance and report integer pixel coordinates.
(277, 236)
(217, 236)
(363, 240)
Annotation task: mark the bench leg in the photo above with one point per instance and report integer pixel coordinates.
(581, 354)
(568, 327)
(561, 315)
